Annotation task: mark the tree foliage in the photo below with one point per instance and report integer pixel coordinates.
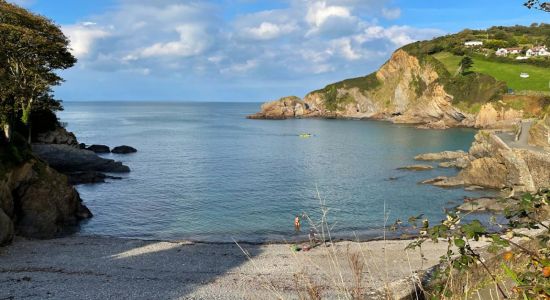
(536, 4)
(466, 64)
(32, 49)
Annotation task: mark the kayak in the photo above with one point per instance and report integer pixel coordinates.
(305, 135)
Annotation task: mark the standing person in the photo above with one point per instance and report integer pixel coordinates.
(297, 224)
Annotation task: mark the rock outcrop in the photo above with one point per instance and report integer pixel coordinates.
(491, 163)
(539, 134)
(124, 150)
(68, 159)
(489, 117)
(36, 201)
(417, 168)
(58, 136)
(444, 155)
(99, 149)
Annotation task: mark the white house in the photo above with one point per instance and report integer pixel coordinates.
(501, 52)
(514, 50)
(542, 51)
(537, 51)
(473, 43)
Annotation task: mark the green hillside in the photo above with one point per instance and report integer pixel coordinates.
(539, 77)
(450, 49)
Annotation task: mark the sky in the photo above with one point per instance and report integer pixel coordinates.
(246, 50)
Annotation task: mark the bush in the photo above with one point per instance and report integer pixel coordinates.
(531, 275)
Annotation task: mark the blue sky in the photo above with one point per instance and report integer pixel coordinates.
(247, 50)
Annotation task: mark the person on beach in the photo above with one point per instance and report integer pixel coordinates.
(297, 224)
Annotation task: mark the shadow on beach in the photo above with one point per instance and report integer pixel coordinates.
(110, 268)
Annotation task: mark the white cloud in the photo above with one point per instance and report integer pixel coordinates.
(268, 31)
(391, 13)
(83, 36)
(240, 68)
(345, 48)
(192, 41)
(398, 35)
(318, 13)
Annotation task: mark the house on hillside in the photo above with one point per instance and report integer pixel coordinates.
(514, 50)
(537, 51)
(507, 51)
(473, 43)
(501, 52)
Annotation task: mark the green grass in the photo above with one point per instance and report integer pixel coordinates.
(539, 79)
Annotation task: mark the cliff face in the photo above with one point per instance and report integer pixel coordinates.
(494, 164)
(539, 134)
(36, 201)
(404, 90)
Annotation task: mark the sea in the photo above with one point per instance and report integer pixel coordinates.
(204, 172)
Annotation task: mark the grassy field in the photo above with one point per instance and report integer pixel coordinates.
(539, 79)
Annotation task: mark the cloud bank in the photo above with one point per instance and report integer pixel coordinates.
(296, 46)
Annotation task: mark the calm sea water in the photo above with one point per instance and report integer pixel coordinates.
(205, 172)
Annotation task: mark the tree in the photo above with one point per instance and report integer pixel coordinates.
(537, 4)
(465, 64)
(32, 48)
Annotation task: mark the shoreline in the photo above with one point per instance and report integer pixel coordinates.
(113, 268)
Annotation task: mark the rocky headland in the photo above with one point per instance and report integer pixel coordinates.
(407, 90)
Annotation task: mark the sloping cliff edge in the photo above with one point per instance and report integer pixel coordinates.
(406, 89)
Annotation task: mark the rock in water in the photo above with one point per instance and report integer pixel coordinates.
(445, 155)
(123, 150)
(417, 168)
(88, 177)
(99, 148)
(481, 204)
(69, 159)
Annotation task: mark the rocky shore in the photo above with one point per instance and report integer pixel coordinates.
(36, 201)
(37, 197)
(492, 163)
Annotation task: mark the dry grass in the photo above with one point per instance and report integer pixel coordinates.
(340, 272)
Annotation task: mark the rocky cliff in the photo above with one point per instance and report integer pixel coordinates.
(539, 134)
(406, 89)
(492, 163)
(37, 201)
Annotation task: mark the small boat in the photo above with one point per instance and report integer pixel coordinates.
(524, 75)
(305, 135)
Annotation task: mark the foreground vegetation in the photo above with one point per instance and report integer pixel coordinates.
(520, 263)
